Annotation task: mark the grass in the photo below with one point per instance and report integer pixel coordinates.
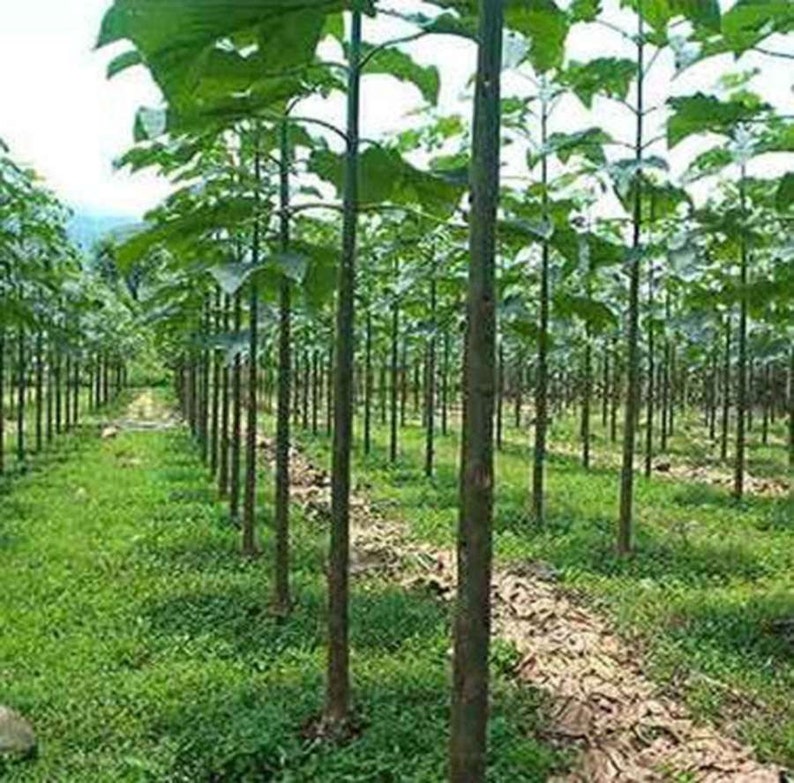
(141, 645)
(700, 597)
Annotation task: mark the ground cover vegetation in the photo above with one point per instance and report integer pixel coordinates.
(411, 313)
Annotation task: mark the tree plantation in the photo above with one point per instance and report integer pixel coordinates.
(437, 425)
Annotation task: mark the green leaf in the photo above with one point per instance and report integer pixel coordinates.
(386, 177)
(291, 264)
(403, 67)
(180, 39)
(749, 22)
(609, 76)
(123, 61)
(584, 10)
(784, 197)
(546, 27)
(659, 13)
(709, 163)
(232, 277)
(587, 143)
(699, 113)
(593, 313)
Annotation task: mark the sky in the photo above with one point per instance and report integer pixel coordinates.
(60, 114)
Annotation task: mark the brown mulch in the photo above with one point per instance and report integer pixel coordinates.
(625, 728)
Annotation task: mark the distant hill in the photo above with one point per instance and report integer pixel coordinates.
(86, 229)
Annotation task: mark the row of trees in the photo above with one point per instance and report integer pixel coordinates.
(64, 332)
(241, 260)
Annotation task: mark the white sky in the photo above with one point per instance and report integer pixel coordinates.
(60, 114)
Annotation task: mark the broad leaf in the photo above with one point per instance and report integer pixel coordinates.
(609, 76)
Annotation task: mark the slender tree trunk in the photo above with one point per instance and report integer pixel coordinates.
(204, 408)
(790, 407)
(430, 383)
(605, 389)
(766, 399)
(368, 382)
(39, 392)
(315, 391)
(542, 371)
(58, 392)
(651, 393)
(329, 394)
(216, 390)
(67, 396)
(741, 366)
(223, 457)
(281, 598)
(76, 392)
(249, 500)
(237, 399)
(712, 381)
(445, 386)
(473, 614)
(587, 391)
(395, 366)
(500, 393)
(337, 707)
(726, 390)
(632, 347)
(21, 379)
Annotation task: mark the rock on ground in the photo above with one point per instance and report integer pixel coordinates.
(16, 733)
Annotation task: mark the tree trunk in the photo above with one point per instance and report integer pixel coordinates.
(542, 371)
(473, 609)
(726, 390)
(430, 382)
(21, 361)
(216, 390)
(632, 347)
(249, 500)
(237, 411)
(281, 599)
(223, 458)
(368, 382)
(741, 366)
(587, 391)
(395, 366)
(337, 707)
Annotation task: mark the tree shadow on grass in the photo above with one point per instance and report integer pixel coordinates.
(251, 728)
(758, 630)
(241, 616)
(702, 494)
(586, 543)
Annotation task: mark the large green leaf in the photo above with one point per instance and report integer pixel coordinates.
(403, 67)
(546, 27)
(584, 10)
(659, 13)
(610, 76)
(784, 197)
(181, 40)
(749, 22)
(595, 314)
(699, 113)
(544, 24)
(588, 143)
(386, 177)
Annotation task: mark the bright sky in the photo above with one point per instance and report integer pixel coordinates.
(60, 114)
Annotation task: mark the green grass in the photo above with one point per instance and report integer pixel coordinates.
(141, 646)
(12, 466)
(701, 595)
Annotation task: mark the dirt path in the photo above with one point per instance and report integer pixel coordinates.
(146, 412)
(602, 703)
